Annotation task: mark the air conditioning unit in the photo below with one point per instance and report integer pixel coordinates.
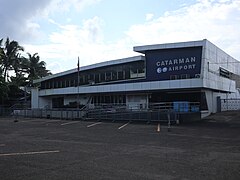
(197, 75)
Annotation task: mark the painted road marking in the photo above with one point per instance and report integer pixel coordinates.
(2, 144)
(29, 153)
(33, 120)
(94, 124)
(123, 125)
(72, 122)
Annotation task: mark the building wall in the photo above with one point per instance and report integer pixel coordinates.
(137, 101)
(45, 102)
(128, 87)
(214, 58)
(34, 98)
(209, 58)
(83, 99)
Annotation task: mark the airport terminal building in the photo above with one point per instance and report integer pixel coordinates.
(195, 73)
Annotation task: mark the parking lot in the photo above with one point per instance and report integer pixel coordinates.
(61, 149)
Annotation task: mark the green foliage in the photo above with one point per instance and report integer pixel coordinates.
(4, 89)
(16, 70)
(36, 68)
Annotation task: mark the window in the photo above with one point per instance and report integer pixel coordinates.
(102, 77)
(72, 82)
(224, 73)
(96, 79)
(120, 75)
(67, 83)
(174, 77)
(126, 72)
(185, 76)
(117, 72)
(108, 76)
(114, 75)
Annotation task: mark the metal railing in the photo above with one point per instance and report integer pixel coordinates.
(116, 112)
(50, 113)
(229, 104)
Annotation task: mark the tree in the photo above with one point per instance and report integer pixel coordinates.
(1, 60)
(9, 56)
(36, 68)
(4, 90)
(17, 71)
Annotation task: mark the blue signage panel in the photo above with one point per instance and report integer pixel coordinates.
(177, 63)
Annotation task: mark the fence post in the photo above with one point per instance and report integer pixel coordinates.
(169, 121)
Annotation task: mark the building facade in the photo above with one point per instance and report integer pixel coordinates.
(195, 72)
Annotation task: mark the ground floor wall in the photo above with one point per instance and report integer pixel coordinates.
(132, 100)
(211, 97)
(202, 100)
(137, 101)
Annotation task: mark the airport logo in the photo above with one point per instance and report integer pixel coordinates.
(161, 70)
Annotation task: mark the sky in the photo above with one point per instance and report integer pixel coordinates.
(60, 31)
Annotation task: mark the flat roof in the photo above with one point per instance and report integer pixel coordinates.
(143, 49)
(93, 66)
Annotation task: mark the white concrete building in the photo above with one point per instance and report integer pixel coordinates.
(190, 72)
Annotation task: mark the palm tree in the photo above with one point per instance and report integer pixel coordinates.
(1, 55)
(36, 68)
(9, 56)
(3, 89)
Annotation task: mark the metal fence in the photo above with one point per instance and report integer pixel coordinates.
(5, 111)
(129, 115)
(50, 113)
(120, 112)
(230, 104)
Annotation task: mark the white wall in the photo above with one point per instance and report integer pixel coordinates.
(213, 58)
(34, 98)
(211, 97)
(45, 102)
(83, 99)
(134, 101)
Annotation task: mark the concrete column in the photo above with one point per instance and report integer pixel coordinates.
(34, 98)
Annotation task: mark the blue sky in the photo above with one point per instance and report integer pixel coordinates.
(101, 30)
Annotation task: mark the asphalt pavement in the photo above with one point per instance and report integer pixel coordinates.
(52, 149)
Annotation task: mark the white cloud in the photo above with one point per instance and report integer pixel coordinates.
(217, 21)
(17, 18)
(149, 16)
(67, 5)
(85, 41)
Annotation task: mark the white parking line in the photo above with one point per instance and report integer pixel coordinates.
(29, 153)
(72, 122)
(94, 124)
(123, 125)
(33, 120)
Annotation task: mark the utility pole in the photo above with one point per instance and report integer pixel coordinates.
(78, 102)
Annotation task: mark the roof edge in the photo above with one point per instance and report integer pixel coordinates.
(143, 49)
